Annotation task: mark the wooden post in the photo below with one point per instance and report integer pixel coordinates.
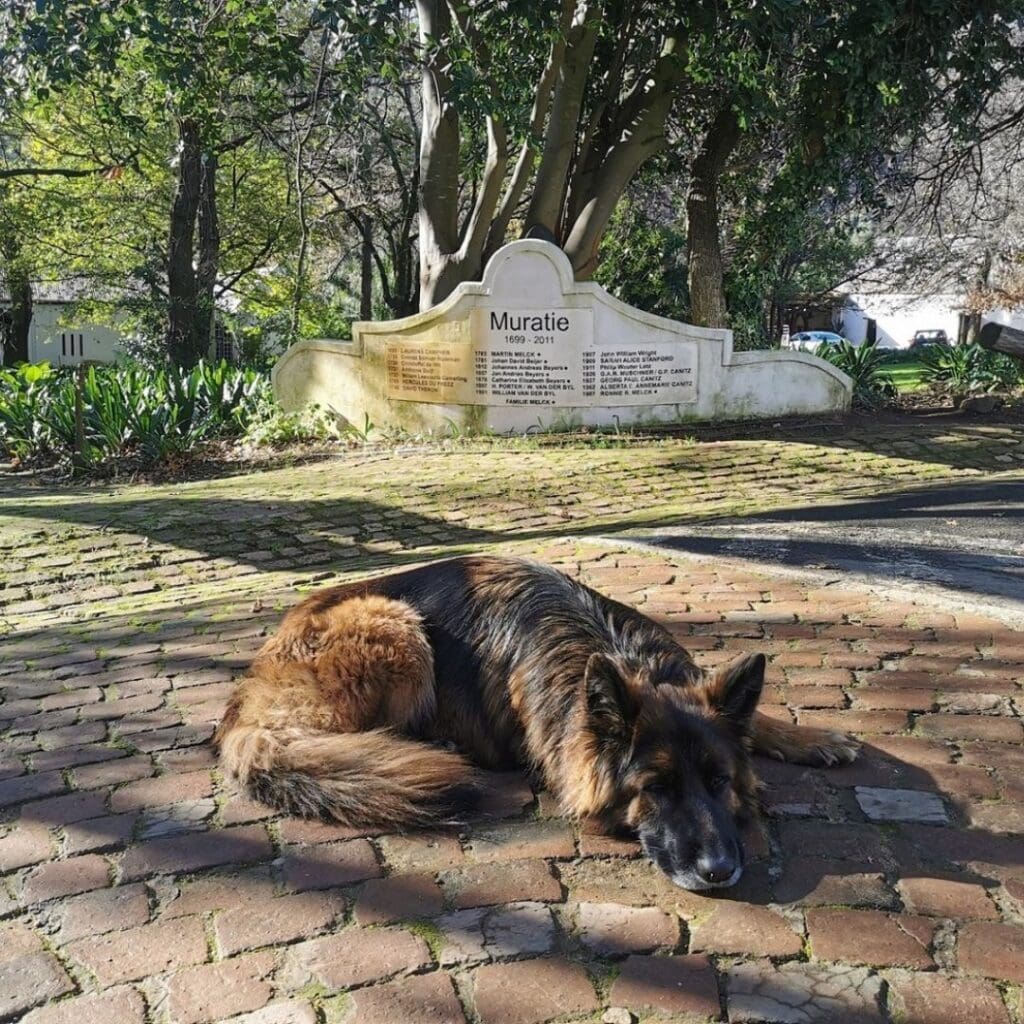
(78, 459)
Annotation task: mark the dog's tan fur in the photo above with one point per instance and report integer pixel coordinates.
(326, 698)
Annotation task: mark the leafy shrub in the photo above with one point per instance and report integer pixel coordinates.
(966, 369)
(127, 411)
(865, 366)
(275, 426)
(643, 263)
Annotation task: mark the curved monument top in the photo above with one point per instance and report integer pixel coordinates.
(518, 269)
(534, 274)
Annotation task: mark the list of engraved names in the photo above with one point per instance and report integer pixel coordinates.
(530, 356)
(539, 358)
(427, 371)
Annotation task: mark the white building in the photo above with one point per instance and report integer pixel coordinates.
(59, 337)
(897, 316)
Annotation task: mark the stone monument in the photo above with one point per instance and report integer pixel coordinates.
(530, 348)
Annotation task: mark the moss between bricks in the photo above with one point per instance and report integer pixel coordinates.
(335, 1010)
(429, 933)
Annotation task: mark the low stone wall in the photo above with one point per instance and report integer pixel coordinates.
(528, 347)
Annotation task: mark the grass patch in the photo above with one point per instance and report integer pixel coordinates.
(906, 374)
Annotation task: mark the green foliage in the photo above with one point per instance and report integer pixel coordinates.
(643, 262)
(787, 251)
(110, 232)
(128, 412)
(273, 426)
(865, 365)
(826, 97)
(325, 312)
(964, 369)
(192, 51)
(137, 108)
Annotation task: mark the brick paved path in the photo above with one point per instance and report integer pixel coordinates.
(136, 886)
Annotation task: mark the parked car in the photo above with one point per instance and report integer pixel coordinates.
(922, 339)
(810, 341)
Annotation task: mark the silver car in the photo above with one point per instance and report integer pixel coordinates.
(811, 341)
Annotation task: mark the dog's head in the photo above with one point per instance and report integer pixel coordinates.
(672, 759)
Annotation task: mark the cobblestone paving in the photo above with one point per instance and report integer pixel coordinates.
(136, 886)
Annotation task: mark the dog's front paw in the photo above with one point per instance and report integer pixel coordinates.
(828, 749)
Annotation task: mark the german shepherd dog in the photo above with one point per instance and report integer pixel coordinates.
(365, 705)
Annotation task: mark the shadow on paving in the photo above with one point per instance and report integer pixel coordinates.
(823, 862)
(340, 532)
(981, 499)
(965, 538)
(249, 530)
(949, 438)
(1000, 576)
(957, 443)
(193, 542)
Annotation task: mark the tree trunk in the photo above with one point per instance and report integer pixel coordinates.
(549, 190)
(703, 242)
(366, 271)
(439, 162)
(16, 322)
(185, 346)
(1002, 338)
(400, 281)
(982, 284)
(19, 319)
(209, 251)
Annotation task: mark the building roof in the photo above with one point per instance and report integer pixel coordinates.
(74, 289)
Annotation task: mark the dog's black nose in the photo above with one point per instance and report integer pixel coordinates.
(717, 870)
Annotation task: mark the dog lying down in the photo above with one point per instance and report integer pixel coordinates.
(372, 701)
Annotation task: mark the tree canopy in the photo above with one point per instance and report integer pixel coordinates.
(322, 160)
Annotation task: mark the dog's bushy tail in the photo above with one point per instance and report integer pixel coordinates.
(358, 778)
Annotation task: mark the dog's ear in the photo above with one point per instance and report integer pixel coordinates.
(611, 705)
(735, 689)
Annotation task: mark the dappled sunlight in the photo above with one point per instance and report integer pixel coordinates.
(109, 778)
(119, 546)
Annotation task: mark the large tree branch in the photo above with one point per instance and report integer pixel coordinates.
(636, 142)
(566, 103)
(439, 134)
(478, 223)
(57, 172)
(608, 98)
(619, 123)
(538, 115)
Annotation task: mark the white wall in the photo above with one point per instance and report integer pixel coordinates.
(1006, 317)
(61, 345)
(898, 316)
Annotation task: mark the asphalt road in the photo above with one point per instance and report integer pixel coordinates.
(966, 538)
